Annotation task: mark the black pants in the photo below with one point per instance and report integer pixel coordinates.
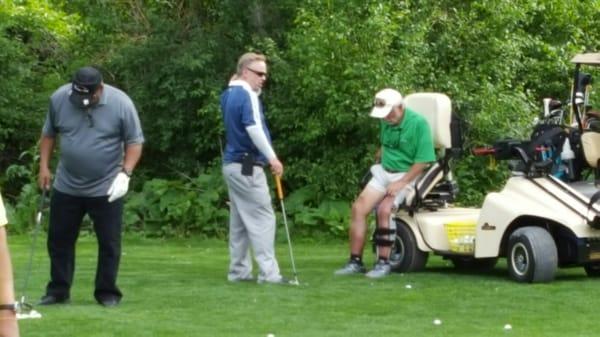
(66, 215)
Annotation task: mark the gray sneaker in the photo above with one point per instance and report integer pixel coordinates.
(240, 279)
(381, 269)
(352, 267)
(281, 280)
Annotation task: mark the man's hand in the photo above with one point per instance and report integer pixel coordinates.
(276, 167)
(44, 178)
(395, 187)
(119, 187)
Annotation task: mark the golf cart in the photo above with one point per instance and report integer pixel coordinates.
(539, 221)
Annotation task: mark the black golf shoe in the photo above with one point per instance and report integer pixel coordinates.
(52, 299)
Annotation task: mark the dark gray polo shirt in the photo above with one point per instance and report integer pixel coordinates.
(92, 140)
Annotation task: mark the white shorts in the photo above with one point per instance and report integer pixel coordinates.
(381, 180)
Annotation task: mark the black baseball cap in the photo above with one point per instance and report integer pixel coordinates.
(85, 83)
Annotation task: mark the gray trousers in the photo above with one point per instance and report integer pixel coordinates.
(251, 224)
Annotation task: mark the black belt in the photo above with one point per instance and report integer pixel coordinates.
(256, 163)
(392, 171)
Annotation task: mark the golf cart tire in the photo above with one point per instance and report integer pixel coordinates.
(592, 269)
(471, 263)
(406, 255)
(532, 255)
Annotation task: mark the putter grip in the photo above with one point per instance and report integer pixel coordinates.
(279, 189)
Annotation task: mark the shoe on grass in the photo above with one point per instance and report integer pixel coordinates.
(351, 268)
(240, 279)
(280, 280)
(109, 301)
(381, 269)
(52, 299)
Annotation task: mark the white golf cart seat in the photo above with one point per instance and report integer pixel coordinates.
(591, 150)
(437, 109)
(590, 141)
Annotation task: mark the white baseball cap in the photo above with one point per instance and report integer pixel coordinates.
(385, 100)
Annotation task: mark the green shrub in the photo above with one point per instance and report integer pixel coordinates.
(494, 59)
(179, 207)
(312, 214)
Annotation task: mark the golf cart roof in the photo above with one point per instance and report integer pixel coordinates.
(587, 58)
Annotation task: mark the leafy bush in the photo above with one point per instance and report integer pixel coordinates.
(179, 207)
(495, 59)
(33, 52)
(312, 214)
(22, 216)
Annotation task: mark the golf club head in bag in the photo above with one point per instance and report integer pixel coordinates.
(23, 308)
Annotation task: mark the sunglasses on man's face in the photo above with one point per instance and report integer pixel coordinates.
(258, 73)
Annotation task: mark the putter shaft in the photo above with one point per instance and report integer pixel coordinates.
(36, 229)
(287, 230)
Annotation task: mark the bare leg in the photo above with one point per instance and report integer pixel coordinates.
(8, 320)
(383, 221)
(366, 201)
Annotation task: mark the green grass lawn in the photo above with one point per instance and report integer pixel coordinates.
(178, 288)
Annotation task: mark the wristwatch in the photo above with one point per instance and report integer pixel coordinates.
(11, 307)
(127, 172)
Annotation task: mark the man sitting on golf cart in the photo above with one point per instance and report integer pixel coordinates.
(406, 150)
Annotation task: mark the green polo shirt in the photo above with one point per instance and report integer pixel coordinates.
(406, 143)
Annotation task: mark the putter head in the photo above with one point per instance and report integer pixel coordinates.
(26, 311)
(294, 282)
(29, 315)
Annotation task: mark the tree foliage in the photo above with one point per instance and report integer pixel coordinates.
(34, 51)
(495, 59)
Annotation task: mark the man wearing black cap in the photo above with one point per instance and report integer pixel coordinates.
(100, 139)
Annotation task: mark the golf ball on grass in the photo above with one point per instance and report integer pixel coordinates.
(437, 321)
(270, 335)
(507, 327)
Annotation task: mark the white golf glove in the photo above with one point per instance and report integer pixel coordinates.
(119, 187)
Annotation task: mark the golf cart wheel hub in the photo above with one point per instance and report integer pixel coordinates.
(398, 253)
(520, 259)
